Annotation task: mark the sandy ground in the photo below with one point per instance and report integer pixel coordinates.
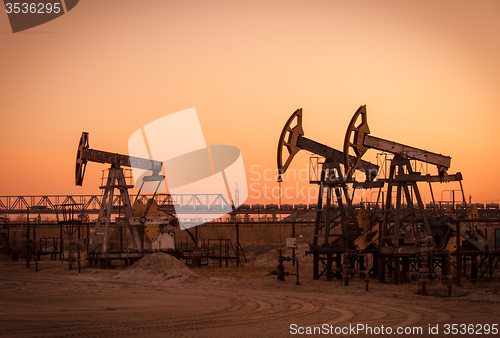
(148, 301)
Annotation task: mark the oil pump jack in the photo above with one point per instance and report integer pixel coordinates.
(398, 221)
(337, 224)
(149, 228)
(403, 227)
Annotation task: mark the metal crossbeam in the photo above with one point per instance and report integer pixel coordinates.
(409, 152)
(119, 159)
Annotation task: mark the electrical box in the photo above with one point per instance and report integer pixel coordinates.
(291, 243)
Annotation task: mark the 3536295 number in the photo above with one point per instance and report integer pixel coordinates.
(38, 8)
(470, 329)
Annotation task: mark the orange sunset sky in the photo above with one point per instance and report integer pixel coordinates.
(427, 70)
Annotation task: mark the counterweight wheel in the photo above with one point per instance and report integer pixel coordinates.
(354, 138)
(81, 163)
(288, 141)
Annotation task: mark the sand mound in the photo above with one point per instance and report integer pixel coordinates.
(156, 267)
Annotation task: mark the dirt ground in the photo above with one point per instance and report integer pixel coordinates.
(160, 298)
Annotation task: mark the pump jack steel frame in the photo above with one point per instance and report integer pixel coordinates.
(339, 212)
(116, 180)
(397, 223)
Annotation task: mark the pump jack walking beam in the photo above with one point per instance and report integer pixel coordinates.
(358, 138)
(85, 154)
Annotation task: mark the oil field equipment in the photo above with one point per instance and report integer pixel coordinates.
(69, 218)
(280, 272)
(390, 233)
(149, 228)
(338, 211)
(401, 176)
(402, 226)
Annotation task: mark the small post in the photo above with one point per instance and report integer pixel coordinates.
(78, 243)
(237, 242)
(297, 271)
(459, 257)
(34, 241)
(293, 249)
(61, 244)
(449, 285)
(28, 238)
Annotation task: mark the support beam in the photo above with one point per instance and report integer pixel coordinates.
(410, 152)
(120, 160)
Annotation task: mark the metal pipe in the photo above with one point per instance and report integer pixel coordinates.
(237, 243)
(459, 257)
(36, 252)
(78, 243)
(297, 270)
(28, 248)
(486, 220)
(293, 235)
